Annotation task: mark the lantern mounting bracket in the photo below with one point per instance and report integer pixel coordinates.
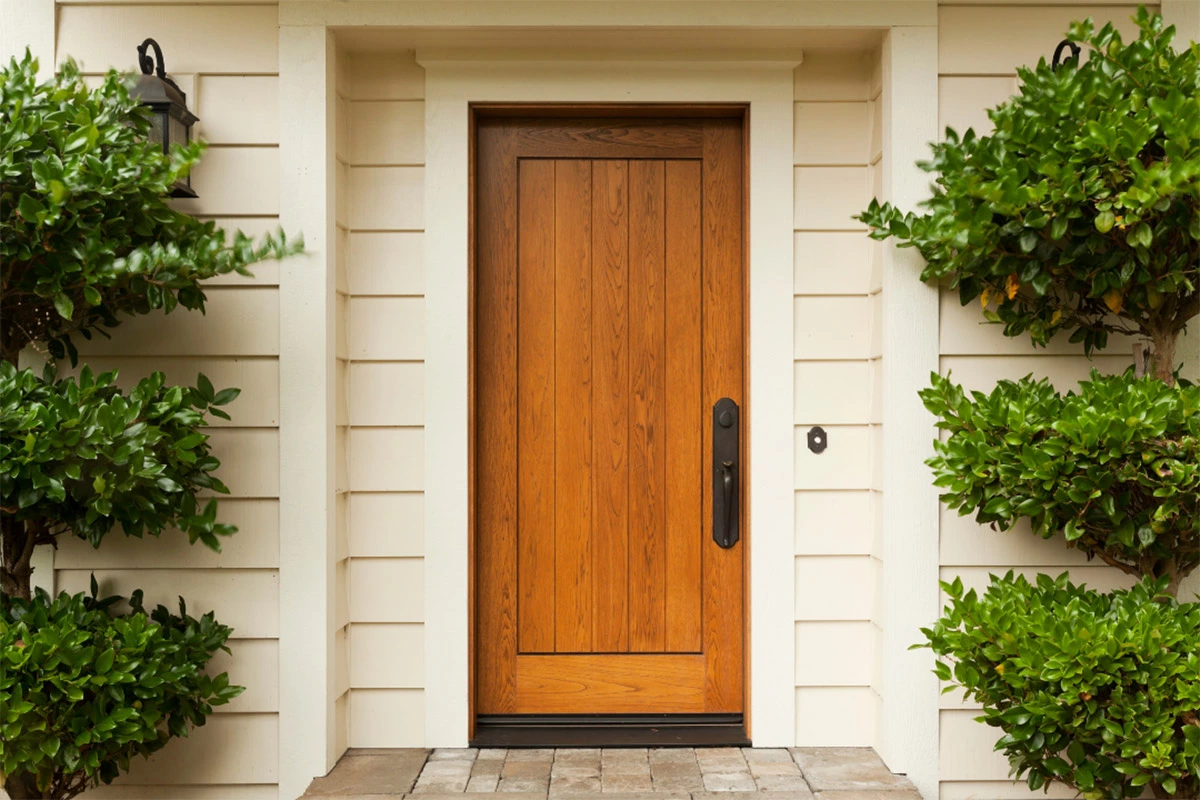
(1065, 44)
(153, 64)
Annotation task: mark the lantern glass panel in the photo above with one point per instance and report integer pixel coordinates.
(178, 132)
(157, 131)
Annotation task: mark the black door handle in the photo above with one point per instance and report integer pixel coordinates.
(725, 478)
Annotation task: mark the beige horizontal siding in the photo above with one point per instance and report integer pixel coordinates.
(836, 152)
(225, 56)
(836, 716)
(387, 524)
(834, 522)
(245, 599)
(388, 656)
(827, 197)
(237, 109)
(238, 321)
(384, 149)
(976, 73)
(991, 40)
(387, 717)
(198, 38)
(254, 546)
(832, 263)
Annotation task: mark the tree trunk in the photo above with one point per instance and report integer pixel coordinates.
(22, 786)
(1162, 341)
(16, 553)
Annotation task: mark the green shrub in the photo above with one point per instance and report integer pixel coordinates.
(1098, 691)
(83, 691)
(1081, 211)
(88, 456)
(86, 233)
(1114, 467)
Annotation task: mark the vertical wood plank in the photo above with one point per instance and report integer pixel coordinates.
(722, 352)
(496, 420)
(647, 413)
(610, 405)
(573, 405)
(535, 407)
(685, 417)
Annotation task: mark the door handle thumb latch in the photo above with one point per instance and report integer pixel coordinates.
(725, 454)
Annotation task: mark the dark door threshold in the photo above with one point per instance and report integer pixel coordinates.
(611, 730)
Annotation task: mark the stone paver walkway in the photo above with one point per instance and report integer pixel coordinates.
(678, 773)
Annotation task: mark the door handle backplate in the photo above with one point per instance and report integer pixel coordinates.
(725, 489)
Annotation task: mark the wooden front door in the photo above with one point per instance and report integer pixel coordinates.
(608, 321)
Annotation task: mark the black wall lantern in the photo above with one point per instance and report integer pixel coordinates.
(172, 121)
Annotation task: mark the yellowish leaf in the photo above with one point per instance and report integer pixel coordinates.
(1114, 300)
(1057, 318)
(985, 298)
(1012, 286)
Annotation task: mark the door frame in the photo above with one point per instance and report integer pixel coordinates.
(458, 88)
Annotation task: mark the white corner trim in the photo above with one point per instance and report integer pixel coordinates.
(307, 382)
(910, 354)
(1185, 16)
(30, 23)
(449, 87)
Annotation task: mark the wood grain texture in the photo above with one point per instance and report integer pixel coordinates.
(610, 684)
(534, 467)
(723, 359)
(572, 406)
(611, 139)
(609, 309)
(684, 410)
(647, 407)
(610, 405)
(495, 419)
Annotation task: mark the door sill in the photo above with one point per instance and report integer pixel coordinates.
(611, 730)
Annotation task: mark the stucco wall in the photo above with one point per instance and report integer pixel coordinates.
(838, 352)
(225, 58)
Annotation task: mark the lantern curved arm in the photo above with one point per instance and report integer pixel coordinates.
(150, 64)
(1065, 44)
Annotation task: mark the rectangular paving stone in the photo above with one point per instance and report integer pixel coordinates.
(668, 755)
(882, 794)
(535, 795)
(523, 785)
(729, 782)
(626, 782)
(483, 783)
(674, 769)
(680, 783)
(392, 773)
(633, 796)
(801, 795)
(491, 754)
(633, 768)
(486, 769)
(526, 769)
(531, 754)
(766, 755)
(576, 754)
(573, 786)
(774, 768)
(624, 753)
(845, 769)
(453, 754)
(440, 787)
(781, 783)
(570, 770)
